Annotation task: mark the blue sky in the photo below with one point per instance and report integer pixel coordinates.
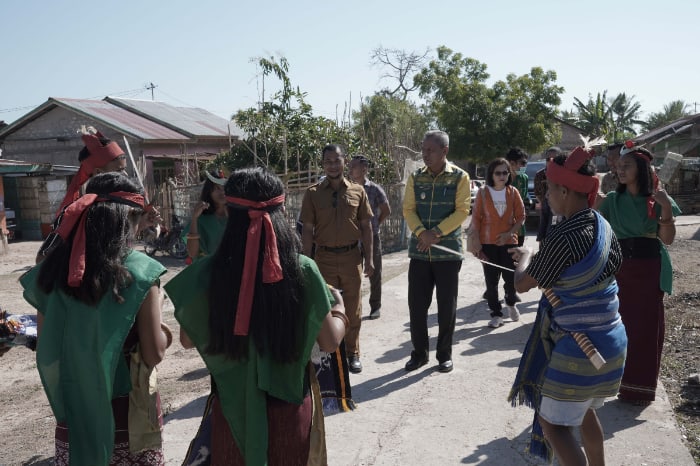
(199, 53)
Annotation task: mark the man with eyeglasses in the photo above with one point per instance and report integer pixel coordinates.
(436, 203)
(336, 215)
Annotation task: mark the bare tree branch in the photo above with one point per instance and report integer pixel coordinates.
(402, 65)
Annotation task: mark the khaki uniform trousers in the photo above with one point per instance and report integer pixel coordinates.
(344, 271)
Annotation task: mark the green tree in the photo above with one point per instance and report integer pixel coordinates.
(672, 111)
(595, 116)
(482, 121)
(625, 117)
(383, 125)
(614, 118)
(282, 133)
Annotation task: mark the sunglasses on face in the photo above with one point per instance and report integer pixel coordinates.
(505, 173)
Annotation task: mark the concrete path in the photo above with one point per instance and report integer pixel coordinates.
(425, 417)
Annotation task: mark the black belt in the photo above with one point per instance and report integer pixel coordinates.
(339, 249)
(640, 248)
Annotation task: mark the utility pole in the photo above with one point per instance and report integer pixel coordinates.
(150, 87)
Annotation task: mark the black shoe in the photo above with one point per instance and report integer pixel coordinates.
(375, 313)
(354, 364)
(446, 366)
(414, 363)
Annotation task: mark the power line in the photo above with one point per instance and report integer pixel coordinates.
(17, 109)
(127, 93)
(175, 98)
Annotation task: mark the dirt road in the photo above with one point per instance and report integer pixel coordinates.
(423, 417)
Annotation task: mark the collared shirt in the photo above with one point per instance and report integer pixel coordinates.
(335, 215)
(450, 222)
(377, 197)
(439, 202)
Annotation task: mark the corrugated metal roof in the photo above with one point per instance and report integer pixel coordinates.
(17, 167)
(678, 126)
(122, 119)
(195, 122)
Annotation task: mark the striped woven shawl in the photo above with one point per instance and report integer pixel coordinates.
(553, 364)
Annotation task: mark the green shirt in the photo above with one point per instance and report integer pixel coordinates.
(243, 385)
(80, 356)
(520, 183)
(210, 228)
(628, 217)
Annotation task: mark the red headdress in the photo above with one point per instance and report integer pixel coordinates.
(567, 174)
(272, 269)
(75, 215)
(99, 157)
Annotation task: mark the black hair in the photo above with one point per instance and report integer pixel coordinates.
(276, 324)
(108, 229)
(515, 154)
(361, 158)
(492, 167)
(85, 153)
(645, 177)
(205, 195)
(332, 148)
(615, 145)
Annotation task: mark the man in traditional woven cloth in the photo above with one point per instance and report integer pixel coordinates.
(575, 355)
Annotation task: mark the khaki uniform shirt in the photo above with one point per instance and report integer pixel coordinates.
(335, 215)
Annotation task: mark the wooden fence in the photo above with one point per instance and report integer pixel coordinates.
(180, 200)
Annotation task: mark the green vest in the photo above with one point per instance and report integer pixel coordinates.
(80, 356)
(435, 200)
(210, 229)
(243, 385)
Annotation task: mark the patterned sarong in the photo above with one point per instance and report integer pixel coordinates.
(334, 379)
(553, 364)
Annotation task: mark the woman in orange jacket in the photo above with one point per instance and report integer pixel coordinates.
(498, 214)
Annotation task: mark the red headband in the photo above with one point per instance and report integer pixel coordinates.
(99, 157)
(567, 174)
(75, 214)
(272, 269)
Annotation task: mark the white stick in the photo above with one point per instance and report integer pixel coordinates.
(136, 169)
(443, 248)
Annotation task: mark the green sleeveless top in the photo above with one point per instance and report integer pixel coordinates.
(243, 385)
(210, 229)
(80, 356)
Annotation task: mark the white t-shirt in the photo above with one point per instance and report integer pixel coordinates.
(499, 200)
